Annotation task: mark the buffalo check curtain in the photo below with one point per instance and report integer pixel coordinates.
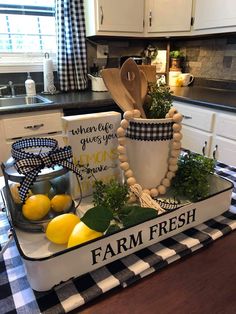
(71, 45)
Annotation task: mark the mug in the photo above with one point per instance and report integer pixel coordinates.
(174, 78)
(186, 78)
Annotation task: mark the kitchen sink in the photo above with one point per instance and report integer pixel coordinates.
(23, 100)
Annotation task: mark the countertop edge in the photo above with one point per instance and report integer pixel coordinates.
(88, 100)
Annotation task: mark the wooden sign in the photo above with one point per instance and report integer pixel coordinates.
(94, 145)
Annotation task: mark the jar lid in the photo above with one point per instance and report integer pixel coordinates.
(44, 175)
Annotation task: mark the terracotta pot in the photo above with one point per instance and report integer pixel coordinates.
(175, 64)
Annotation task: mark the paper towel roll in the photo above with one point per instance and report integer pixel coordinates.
(48, 77)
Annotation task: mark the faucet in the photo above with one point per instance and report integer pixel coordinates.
(12, 88)
(1, 88)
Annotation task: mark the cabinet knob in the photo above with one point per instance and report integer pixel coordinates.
(215, 151)
(34, 127)
(102, 16)
(204, 148)
(150, 18)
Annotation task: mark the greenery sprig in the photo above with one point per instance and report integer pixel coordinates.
(191, 179)
(111, 211)
(159, 101)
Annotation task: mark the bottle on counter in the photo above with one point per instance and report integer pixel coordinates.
(30, 86)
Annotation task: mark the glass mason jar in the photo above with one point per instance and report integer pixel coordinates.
(48, 196)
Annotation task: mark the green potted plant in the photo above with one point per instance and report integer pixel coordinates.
(175, 60)
(158, 101)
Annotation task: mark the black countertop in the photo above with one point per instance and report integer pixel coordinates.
(82, 101)
(214, 98)
(88, 101)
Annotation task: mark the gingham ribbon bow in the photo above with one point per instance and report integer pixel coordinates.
(30, 164)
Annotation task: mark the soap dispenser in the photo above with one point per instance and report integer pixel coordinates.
(30, 86)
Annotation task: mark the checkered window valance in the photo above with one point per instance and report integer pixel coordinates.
(71, 45)
(150, 131)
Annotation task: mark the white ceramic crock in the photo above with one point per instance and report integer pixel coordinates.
(148, 159)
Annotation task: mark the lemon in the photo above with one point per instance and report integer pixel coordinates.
(82, 233)
(59, 228)
(36, 207)
(14, 188)
(61, 203)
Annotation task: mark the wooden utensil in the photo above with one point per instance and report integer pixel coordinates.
(150, 72)
(144, 86)
(117, 90)
(131, 78)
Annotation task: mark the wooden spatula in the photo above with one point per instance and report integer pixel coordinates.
(130, 77)
(112, 80)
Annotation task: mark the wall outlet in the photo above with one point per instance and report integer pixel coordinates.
(102, 51)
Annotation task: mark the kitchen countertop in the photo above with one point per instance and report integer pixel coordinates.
(213, 98)
(67, 101)
(88, 101)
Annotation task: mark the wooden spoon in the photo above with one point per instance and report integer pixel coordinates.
(112, 80)
(131, 78)
(144, 86)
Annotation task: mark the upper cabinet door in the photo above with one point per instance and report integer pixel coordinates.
(120, 15)
(214, 13)
(168, 15)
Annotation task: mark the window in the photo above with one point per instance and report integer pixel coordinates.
(27, 31)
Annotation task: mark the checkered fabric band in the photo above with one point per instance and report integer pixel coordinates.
(150, 131)
(30, 164)
(71, 45)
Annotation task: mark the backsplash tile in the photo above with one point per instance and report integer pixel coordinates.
(211, 58)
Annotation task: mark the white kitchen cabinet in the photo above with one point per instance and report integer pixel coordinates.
(224, 143)
(158, 18)
(114, 18)
(225, 125)
(23, 125)
(224, 150)
(214, 14)
(196, 140)
(168, 16)
(209, 132)
(197, 129)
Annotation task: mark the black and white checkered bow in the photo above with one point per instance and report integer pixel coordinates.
(30, 164)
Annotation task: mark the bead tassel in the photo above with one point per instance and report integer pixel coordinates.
(145, 199)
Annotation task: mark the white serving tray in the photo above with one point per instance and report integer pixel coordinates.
(48, 264)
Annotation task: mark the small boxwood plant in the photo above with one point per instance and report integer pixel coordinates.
(158, 101)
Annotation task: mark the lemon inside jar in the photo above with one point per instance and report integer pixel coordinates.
(36, 207)
(61, 203)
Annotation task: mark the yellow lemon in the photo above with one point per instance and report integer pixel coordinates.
(61, 203)
(82, 233)
(179, 82)
(59, 228)
(14, 188)
(36, 207)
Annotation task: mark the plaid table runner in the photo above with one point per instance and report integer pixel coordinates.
(16, 296)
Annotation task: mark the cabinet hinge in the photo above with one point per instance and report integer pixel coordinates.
(192, 21)
(143, 23)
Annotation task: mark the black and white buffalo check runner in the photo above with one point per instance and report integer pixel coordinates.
(16, 296)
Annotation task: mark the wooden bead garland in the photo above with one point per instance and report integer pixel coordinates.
(174, 152)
